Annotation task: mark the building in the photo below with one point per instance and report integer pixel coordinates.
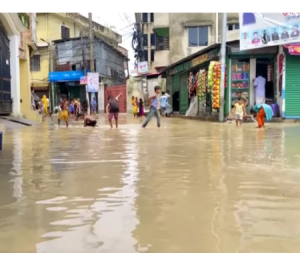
(61, 26)
(17, 44)
(109, 63)
(124, 51)
(169, 37)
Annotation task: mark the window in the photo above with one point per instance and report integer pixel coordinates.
(151, 17)
(146, 55)
(35, 63)
(152, 55)
(145, 40)
(233, 26)
(145, 17)
(65, 32)
(198, 36)
(152, 39)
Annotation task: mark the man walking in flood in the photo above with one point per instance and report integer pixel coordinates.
(64, 114)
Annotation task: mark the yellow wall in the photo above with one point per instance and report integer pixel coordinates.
(25, 92)
(49, 29)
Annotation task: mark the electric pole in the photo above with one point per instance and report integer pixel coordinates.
(84, 69)
(91, 36)
(223, 67)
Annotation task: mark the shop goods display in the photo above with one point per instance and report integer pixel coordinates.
(214, 81)
(191, 84)
(202, 85)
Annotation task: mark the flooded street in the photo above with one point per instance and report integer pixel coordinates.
(189, 186)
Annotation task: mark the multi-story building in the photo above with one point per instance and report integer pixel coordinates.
(169, 37)
(61, 26)
(17, 44)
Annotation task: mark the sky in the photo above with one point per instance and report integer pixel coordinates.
(122, 23)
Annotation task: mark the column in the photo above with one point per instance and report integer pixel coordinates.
(15, 73)
(101, 99)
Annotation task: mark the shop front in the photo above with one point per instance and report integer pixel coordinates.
(194, 83)
(67, 84)
(291, 83)
(244, 67)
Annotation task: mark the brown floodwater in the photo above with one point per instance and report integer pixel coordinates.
(189, 186)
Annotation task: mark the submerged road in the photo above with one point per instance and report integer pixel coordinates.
(189, 186)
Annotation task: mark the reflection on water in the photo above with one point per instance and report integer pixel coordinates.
(187, 187)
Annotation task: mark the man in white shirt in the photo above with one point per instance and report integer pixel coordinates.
(260, 89)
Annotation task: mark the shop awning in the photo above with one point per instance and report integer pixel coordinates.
(192, 56)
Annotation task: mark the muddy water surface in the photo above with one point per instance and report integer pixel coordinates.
(187, 187)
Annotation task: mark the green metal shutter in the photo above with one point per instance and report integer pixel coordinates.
(183, 94)
(292, 87)
(175, 83)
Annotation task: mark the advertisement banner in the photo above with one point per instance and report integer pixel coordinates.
(83, 80)
(143, 67)
(293, 49)
(93, 82)
(268, 29)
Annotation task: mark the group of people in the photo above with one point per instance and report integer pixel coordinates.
(137, 107)
(261, 110)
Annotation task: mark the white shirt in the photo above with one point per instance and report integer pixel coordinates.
(260, 86)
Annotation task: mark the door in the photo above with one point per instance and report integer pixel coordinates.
(5, 86)
(114, 91)
(183, 94)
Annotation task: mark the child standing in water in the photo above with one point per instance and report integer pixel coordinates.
(154, 108)
(239, 110)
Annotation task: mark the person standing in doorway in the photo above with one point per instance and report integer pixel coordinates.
(260, 89)
(154, 108)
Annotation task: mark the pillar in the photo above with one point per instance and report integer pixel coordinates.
(15, 73)
(101, 99)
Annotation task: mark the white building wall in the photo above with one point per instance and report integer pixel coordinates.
(15, 73)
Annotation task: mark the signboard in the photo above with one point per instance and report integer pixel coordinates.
(200, 59)
(143, 67)
(83, 80)
(293, 49)
(64, 76)
(268, 29)
(93, 82)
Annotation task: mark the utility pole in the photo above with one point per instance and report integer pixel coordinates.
(84, 68)
(223, 64)
(50, 47)
(91, 36)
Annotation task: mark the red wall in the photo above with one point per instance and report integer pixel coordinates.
(114, 91)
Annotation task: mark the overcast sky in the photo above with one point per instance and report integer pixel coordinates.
(122, 23)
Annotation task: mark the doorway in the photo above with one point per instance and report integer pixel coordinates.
(265, 68)
(176, 101)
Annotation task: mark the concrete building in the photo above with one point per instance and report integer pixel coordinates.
(109, 63)
(17, 42)
(61, 26)
(169, 37)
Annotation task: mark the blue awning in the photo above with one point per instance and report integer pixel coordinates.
(64, 76)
